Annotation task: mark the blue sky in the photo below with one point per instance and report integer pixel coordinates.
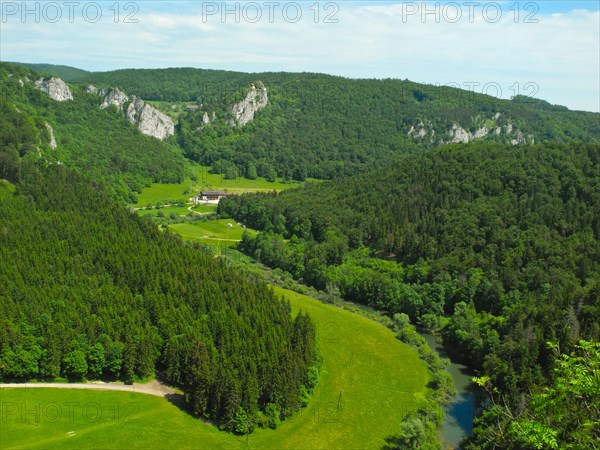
(546, 49)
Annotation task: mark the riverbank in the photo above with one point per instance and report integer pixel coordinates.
(460, 411)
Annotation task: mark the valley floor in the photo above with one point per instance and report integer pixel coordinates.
(369, 382)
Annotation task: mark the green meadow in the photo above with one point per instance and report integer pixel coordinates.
(369, 382)
(153, 212)
(163, 194)
(212, 232)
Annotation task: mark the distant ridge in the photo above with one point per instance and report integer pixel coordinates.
(67, 73)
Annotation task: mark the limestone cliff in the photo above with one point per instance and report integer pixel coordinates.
(113, 97)
(55, 88)
(52, 139)
(148, 119)
(256, 99)
(483, 127)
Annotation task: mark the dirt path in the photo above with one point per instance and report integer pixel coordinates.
(154, 387)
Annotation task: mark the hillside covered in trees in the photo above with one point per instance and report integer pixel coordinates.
(99, 143)
(496, 247)
(323, 126)
(493, 244)
(89, 290)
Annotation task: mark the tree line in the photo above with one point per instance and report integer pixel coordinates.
(89, 290)
(101, 144)
(495, 247)
(324, 127)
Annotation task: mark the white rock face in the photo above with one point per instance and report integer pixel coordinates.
(154, 123)
(256, 99)
(91, 89)
(52, 140)
(134, 109)
(150, 120)
(419, 132)
(55, 88)
(205, 118)
(520, 139)
(481, 133)
(114, 97)
(459, 134)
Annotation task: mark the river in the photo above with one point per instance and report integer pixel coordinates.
(460, 412)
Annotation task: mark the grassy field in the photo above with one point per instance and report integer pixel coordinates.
(212, 232)
(370, 380)
(164, 194)
(178, 210)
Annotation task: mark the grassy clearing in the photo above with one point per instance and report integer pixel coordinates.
(178, 210)
(211, 230)
(370, 381)
(205, 208)
(164, 194)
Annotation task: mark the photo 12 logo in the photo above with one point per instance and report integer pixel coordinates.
(270, 12)
(52, 412)
(454, 12)
(69, 12)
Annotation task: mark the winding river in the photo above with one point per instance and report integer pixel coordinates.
(460, 412)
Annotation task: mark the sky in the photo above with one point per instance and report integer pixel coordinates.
(544, 49)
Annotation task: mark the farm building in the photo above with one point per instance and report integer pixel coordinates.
(209, 197)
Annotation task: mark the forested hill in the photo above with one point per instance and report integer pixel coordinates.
(313, 125)
(100, 143)
(496, 247)
(67, 73)
(324, 126)
(89, 290)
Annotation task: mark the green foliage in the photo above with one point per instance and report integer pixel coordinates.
(91, 290)
(325, 127)
(273, 414)
(240, 423)
(75, 365)
(67, 73)
(20, 363)
(565, 414)
(100, 143)
(497, 246)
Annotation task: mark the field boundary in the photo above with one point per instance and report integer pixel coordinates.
(154, 387)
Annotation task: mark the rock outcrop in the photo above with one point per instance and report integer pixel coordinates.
(421, 131)
(52, 139)
(55, 88)
(494, 126)
(459, 134)
(113, 97)
(256, 99)
(91, 89)
(148, 119)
